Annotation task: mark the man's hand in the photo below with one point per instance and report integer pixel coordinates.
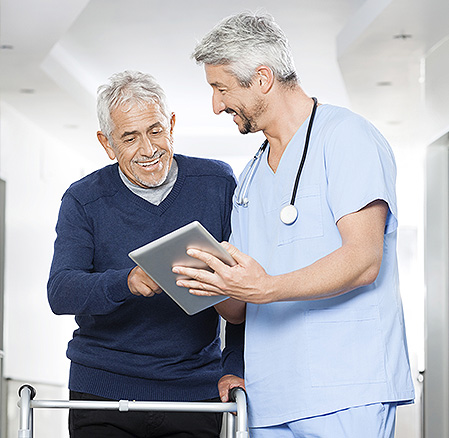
(226, 383)
(246, 281)
(141, 285)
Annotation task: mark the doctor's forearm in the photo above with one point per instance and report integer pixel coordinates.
(341, 271)
(355, 264)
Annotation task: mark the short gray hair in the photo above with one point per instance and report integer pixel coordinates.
(245, 41)
(131, 88)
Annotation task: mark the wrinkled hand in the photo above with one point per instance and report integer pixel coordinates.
(246, 281)
(141, 285)
(226, 383)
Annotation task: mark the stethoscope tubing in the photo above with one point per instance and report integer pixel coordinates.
(242, 199)
(304, 154)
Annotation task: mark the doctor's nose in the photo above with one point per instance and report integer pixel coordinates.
(217, 103)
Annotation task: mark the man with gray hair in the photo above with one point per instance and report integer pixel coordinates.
(134, 342)
(314, 228)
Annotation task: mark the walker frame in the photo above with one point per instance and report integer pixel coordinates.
(236, 425)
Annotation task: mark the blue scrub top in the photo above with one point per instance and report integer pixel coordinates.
(307, 358)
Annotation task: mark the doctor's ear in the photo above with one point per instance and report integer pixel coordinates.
(264, 78)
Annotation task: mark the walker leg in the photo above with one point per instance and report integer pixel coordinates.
(242, 419)
(230, 425)
(26, 394)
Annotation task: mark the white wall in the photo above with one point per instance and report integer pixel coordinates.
(37, 169)
(437, 281)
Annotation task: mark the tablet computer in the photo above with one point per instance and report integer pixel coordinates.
(157, 259)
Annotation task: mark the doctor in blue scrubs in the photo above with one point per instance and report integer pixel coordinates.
(314, 228)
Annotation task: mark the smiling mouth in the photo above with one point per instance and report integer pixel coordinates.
(232, 113)
(149, 163)
(235, 115)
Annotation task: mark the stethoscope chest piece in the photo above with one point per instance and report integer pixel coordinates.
(289, 214)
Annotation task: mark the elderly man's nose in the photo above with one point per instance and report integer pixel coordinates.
(147, 147)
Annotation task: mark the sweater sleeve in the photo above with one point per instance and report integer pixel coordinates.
(73, 287)
(232, 356)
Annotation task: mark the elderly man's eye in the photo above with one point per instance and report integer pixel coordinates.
(156, 131)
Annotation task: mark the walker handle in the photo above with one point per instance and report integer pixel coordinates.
(233, 393)
(32, 391)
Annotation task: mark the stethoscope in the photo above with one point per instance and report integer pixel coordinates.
(289, 213)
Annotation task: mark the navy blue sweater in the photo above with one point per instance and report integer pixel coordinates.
(126, 346)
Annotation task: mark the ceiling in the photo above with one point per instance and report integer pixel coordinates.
(363, 54)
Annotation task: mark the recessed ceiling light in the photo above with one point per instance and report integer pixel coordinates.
(384, 84)
(402, 36)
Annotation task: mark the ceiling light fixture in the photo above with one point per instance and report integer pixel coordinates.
(402, 36)
(384, 84)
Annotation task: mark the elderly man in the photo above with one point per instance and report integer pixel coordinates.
(134, 342)
(314, 228)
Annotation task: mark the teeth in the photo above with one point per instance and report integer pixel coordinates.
(148, 163)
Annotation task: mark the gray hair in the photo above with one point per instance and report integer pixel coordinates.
(245, 41)
(130, 88)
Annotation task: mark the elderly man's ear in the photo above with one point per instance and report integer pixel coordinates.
(107, 146)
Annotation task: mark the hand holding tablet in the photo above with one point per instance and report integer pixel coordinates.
(157, 259)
